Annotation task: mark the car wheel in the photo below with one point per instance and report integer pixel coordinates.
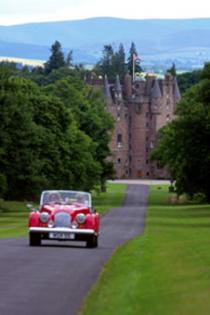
(92, 242)
(34, 239)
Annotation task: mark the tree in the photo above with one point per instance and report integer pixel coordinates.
(41, 144)
(187, 79)
(133, 60)
(184, 143)
(56, 59)
(88, 108)
(118, 62)
(172, 70)
(69, 58)
(106, 63)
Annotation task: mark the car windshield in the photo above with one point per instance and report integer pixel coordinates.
(65, 197)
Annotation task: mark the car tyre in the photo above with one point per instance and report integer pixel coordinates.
(92, 242)
(34, 239)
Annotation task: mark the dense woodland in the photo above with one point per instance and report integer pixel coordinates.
(54, 130)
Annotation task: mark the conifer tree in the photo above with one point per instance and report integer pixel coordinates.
(119, 62)
(133, 59)
(172, 70)
(56, 59)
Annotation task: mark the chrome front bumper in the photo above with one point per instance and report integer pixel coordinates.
(62, 230)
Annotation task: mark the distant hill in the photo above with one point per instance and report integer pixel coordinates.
(157, 41)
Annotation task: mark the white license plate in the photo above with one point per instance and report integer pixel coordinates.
(61, 236)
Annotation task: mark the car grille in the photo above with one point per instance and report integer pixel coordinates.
(62, 219)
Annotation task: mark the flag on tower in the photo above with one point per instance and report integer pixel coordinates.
(136, 57)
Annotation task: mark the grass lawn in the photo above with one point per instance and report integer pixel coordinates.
(164, 272)
(14, 215)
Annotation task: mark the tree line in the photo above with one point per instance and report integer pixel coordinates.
(115, 62)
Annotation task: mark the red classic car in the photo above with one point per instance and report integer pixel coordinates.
(64, 215)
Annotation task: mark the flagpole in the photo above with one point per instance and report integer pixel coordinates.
(133, 67)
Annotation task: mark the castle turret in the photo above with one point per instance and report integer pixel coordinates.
(177, 94)
(106, 89)
(155, 97)
(118, 89)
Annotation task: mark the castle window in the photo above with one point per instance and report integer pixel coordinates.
(118, 117)
(119, 140)
(119, 137)
(168, 117)
(119, 161)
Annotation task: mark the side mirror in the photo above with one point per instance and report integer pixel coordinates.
(29, 206)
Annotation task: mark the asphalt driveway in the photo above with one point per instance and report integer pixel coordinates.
(53, 279)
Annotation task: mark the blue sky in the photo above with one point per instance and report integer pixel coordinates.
(24, 11)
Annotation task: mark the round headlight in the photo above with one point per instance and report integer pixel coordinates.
(81, 218)
(44, 217)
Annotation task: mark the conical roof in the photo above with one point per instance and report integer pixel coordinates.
(177, 93)
(155, 91)
(107, 93)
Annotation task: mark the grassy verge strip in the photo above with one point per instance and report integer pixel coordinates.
(165, 271)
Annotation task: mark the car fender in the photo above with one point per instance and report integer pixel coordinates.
(34, 219)
(92, 221)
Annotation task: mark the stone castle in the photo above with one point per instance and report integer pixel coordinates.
(140, 108)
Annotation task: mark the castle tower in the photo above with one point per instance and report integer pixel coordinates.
(128, 86)
(138, 107)
(119, 142)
